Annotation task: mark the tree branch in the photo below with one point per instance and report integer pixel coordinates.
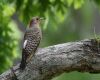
(20, 25)
(83, 56)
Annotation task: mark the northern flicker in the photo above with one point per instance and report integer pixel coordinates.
(32, 39)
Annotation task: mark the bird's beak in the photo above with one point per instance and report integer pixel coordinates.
(42, 19)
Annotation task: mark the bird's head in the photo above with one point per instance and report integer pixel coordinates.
(35, 21)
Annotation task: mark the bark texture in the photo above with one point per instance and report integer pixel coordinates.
(83, 56)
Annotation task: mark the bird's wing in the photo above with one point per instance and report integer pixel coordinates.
(30, 45)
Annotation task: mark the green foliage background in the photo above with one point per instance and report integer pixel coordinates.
(66, 20)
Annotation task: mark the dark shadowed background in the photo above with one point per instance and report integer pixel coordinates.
(66, 20)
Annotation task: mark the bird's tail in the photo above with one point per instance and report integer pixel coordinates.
(23, 64)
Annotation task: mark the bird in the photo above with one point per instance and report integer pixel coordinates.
(31, 41)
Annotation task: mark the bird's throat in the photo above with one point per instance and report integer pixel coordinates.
(34, 25)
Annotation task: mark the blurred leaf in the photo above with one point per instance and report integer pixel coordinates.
(78, 3)
(69, 2)
(8, 10)
(97, 2)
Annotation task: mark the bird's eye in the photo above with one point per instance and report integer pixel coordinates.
(37, 18)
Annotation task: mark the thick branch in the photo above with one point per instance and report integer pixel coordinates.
(83, 56)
